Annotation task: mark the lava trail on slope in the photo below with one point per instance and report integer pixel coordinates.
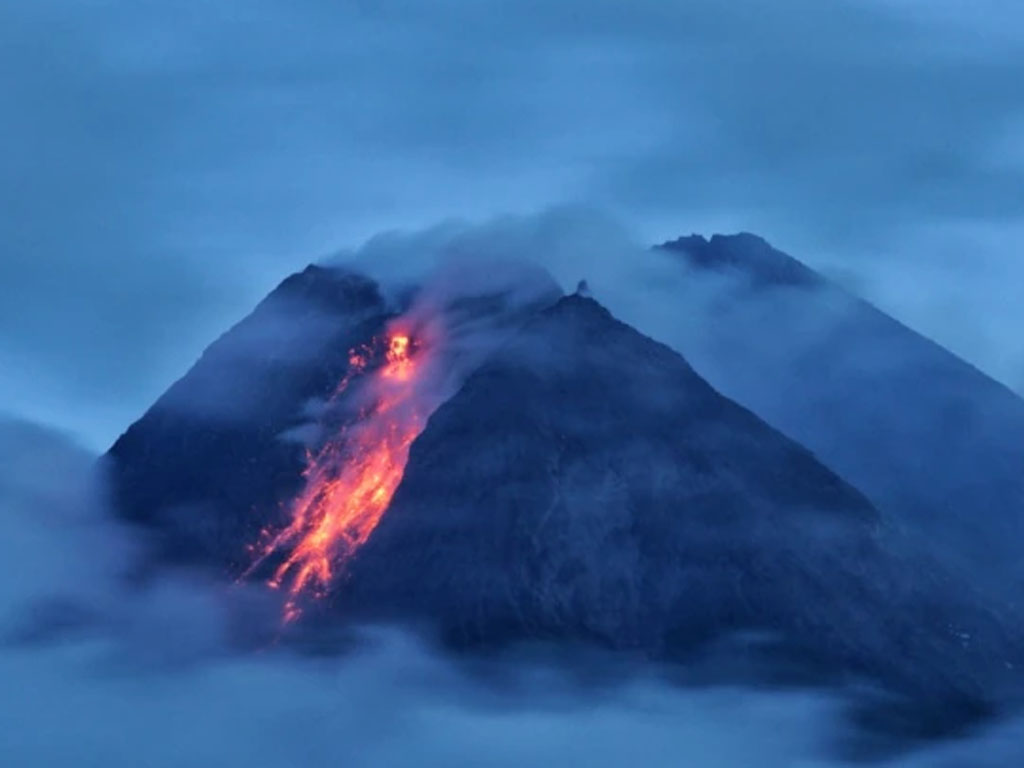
(350, 480)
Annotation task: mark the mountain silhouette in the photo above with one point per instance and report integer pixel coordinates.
(934, 443)
(578, 483)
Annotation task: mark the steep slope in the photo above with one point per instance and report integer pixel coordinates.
(931, 440)
(221, 457)
(586, 484)
(211, 450)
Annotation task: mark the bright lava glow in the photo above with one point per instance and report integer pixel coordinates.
(350, 481)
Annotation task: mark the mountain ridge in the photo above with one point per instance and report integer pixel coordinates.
(932, 440)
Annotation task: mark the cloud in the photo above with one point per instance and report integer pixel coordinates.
(147, 675)
(163, 169)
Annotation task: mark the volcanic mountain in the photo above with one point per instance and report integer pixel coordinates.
(561, 477)
(933, 442)
(221, 455)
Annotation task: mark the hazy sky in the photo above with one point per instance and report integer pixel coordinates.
(163, 164)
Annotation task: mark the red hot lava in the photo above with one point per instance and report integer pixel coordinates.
(349, 482)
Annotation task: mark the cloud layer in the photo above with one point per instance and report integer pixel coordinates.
(162, 168)
(98, 673)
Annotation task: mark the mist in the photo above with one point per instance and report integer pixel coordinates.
(148, 675)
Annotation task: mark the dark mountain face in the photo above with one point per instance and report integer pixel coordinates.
(213, 450)
(932, 441)
(575, 473)
(578, 482)
(586, 484)
(220, 456)
(746, 255)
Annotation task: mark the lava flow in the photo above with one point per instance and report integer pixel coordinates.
(350, 481)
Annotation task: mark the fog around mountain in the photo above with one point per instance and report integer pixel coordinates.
(146, 676)
(235, 402)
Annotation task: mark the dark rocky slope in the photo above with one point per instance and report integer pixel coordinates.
(220, 455)
(932, 441)
(586, 484)
(207, 465)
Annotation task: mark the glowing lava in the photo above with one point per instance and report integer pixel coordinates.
(350, 481)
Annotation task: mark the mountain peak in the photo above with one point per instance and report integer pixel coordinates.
(746, 254)
(580, 303)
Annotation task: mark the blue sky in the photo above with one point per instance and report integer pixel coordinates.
(162, 165)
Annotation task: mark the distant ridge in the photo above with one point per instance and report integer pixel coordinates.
(744, 254)
(930, 439)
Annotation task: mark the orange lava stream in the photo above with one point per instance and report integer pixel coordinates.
(350, 481)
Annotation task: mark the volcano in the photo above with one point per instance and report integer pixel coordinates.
(569, 481)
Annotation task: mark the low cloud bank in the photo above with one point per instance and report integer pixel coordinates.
(101, 671)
